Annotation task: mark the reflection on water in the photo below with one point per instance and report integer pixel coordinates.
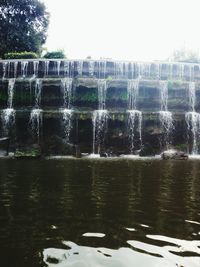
(112, 213)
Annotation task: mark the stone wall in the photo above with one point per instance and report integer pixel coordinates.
(84, 100)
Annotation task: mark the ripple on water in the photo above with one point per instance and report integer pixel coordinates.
(93, 235)
(140, 254)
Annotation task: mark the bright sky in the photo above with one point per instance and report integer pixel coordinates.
(123, 29)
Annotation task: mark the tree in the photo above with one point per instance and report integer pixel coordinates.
(55, 54)
(23, 26)
(184, 55)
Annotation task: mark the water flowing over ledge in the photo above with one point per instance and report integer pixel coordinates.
(103, 107)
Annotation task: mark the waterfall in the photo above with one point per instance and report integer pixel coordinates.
(38, 89)
(66, 69)
(100, 116)
(163, 85)
(36, 121)
(66, 117)
(181, 71)
(193, 125)
(80, 67)
(8, 114)
(191, 72)
(165, 116)
(118, 69)
(57, 64)
(192, 96)
(102, 89)
(36, 113)
(46, 68)
(134, 115)
(35, 68)
(15, 68)
(103, 69)
(170, 71)
(91, 65)
(134, 122)
(132, 90)
(24, 68)
(11, 85)
(66, 87)
(193, 119)
(8, 119)
(5, 64)
(99, 121)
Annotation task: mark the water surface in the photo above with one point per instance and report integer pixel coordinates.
(99, 213)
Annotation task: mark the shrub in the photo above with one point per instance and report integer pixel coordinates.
(55, 54)
(20, 55)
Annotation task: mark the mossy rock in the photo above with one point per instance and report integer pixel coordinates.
(28, 153)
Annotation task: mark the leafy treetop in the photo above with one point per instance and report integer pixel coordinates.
(23, 25)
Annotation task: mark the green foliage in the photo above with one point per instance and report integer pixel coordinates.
(55, 54)
(20, 55)
(184, 55)
(109, 78)
(29, 153)
(23, 26)
(87, 97)
(172, 83)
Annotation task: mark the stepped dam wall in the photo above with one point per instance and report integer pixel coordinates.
(100, 106)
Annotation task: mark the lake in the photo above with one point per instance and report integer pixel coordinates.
(99, 213)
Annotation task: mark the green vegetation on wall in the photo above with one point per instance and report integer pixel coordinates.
(20, 55)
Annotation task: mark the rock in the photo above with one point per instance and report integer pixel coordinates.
(103, 155)
(174, 154)
(4, 143)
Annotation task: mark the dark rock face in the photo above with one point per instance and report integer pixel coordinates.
(174, 154)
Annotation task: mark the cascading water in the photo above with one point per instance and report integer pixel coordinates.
(5, 64)
(66, 68)
(24, 68)
(193, 119)
(99, 126)
(35, 68)
(38, 89)
(91, 65)
(144, 70)
(67, 122)
(165, 116)
(66, 87)
(84, 73)
(134, 122)
(36, 113)
(11, 85)
(132, 90)
(15, 68)
(8, 119)
(102, 69)
(102, 89)
(36, 122)
(100, 117)
(80, 67)
(46, 68)
(8, 114)
(192, 96)
(134, 115)
(57, 64)
(118, 69)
